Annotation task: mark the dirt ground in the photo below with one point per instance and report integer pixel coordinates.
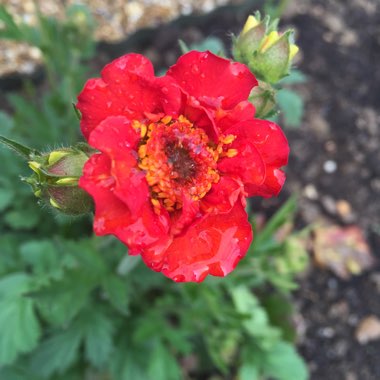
(335, 160)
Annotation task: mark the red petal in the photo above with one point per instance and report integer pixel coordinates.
(214, 81)
(222, 196)
(274, 180)
(267, 137)
(118, 139)
(212, 245)
(112, 216)
(227, 119)
(246, 165)
(127, 87)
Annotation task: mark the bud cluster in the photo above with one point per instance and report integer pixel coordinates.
(55, 179)
(264, 50)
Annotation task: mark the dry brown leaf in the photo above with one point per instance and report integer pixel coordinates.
(343, 250)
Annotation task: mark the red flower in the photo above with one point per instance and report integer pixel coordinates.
(178, 155)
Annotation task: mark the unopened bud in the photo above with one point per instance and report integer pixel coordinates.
(264, 50)
(55, 179)
(263, 98)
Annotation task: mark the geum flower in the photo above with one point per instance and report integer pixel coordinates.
(177, 157)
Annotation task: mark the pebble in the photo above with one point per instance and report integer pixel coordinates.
(344, 211)
(310, 192)
(330, 166)
(368, 329)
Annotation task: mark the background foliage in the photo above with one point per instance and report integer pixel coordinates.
(73, 306)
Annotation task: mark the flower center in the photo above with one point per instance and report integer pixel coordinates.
(179, 160)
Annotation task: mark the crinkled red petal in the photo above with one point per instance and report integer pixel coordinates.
(127, 87)
(214, 81)
(212, 245)
(226, 119)
(267, 137)
(120, 192)
(274, 180)
(118, 139)
(223, 195)
(247, 165)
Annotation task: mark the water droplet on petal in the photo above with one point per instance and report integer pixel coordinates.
(165, 90)
(99, 225)
(109, 104)
(195, 69)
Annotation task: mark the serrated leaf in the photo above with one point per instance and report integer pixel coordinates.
(256, 322)
(62, 300)
(57, 353)
(98, 331)
(20, 329)
(291, 105)
(115, 290)
(284, 363)
(41, 255)
(163, 365)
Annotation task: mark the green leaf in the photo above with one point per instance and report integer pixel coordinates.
(283, 215)
(20, 149)
(57, 353)
(183, 46)
(248, 371)
(6, 197)
(115, 290)
(256, 321)
(20, 329)
(23, 218)
(284, 363)
(163, 365)
(291, 105)
(295, 77)
(42, 255)
(98, 331)
(213, 44)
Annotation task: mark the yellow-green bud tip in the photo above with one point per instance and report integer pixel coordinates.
(56, 156)
(54, 203)
(67, 181)
(269, 41)
(293, 51)
(34, 166)
(249, 24)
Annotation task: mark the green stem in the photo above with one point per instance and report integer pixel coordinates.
(22, 150)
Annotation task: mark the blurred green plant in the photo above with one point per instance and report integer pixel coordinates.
(74, 307)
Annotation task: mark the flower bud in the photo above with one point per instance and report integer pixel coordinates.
(263, 98)
(55, 179)
(264, 50)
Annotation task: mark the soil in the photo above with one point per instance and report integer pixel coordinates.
(335, 157)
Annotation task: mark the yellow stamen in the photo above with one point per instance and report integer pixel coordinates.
(143, 130)
(228, 139)
(231, 153)
(142, 151)
(167, 119)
